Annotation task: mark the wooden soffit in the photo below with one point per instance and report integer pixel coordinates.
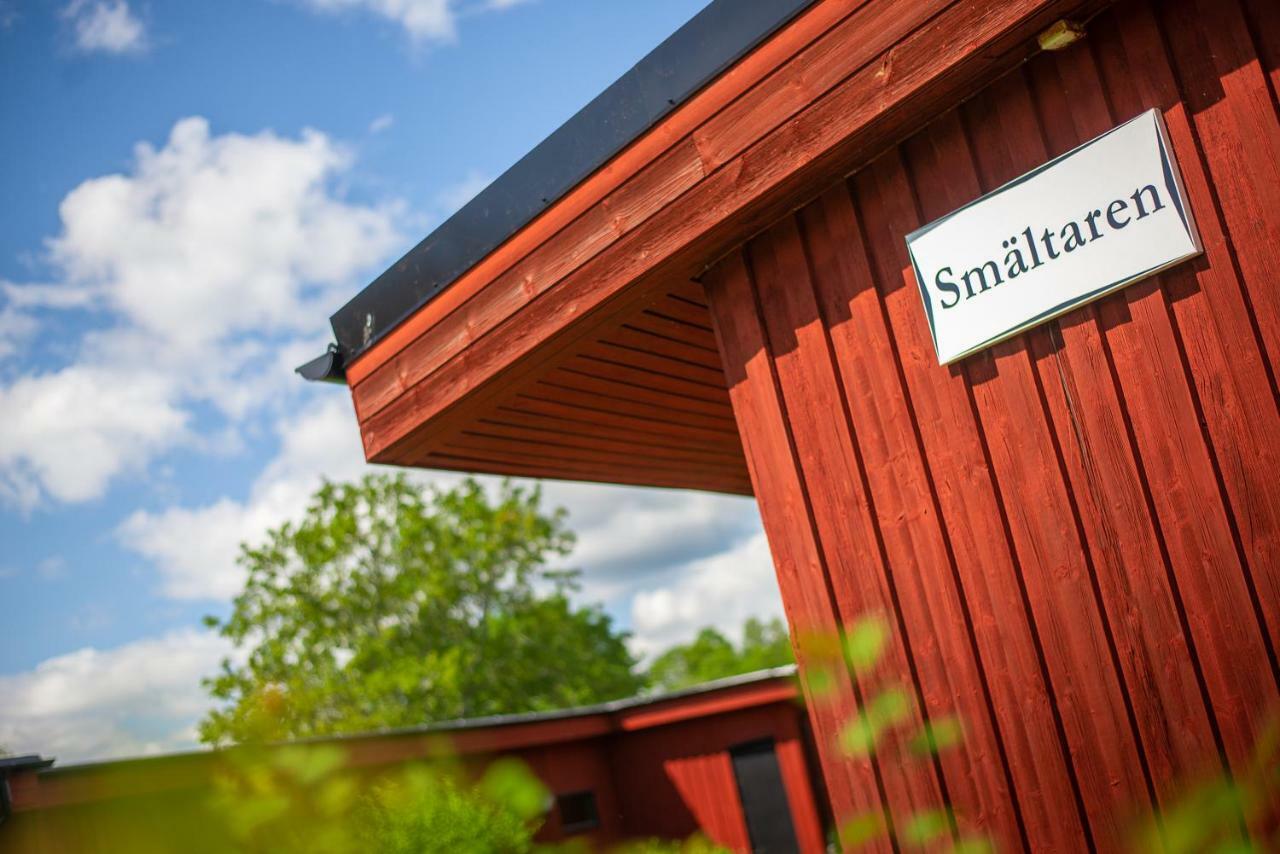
(581, 348)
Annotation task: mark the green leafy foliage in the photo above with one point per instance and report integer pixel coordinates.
(1210, 815)
(938, 735)
(713, 656)
(296, 798)
(303, 798)
(390, 606)
(422, 812)
(860, 736)
(927, 826)
(864, 644)
(879, 722)
(858, 830)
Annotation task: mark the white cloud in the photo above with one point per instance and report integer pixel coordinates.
(138, 698)
(212, 261)
(35, 295)
(194, 549)
(453, 197)
(628, 538)
(16, 328)
(52, 568)
(381, 123)
(721, 591)
(423, 20)
(213, 235)
(105, 26)
(67, 433)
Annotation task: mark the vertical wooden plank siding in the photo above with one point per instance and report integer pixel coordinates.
(1076, 533)
(854, 786)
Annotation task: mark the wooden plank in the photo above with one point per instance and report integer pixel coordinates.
(602, 372)
(618, 381)
(797, 778)
(657, 185)
(683, 312)
(504, 444)
(652, 322)
(704, 363)
(617, 213)
(922, 567)
(604, 393)
(1168, 408)
(1045, 533)
(623, 414)
(867, 109)
(579, 390)
(624, 350)
(636, 431)
(748, 71)
(1264, 26)
(1239, 142)
(1110, 488)
(1226, 96)
(687, 290)
(853, 785)
(556, 435)
(845, 49)
(832, 474)
(973, 513)
(472, 462)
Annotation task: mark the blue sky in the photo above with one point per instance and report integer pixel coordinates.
(190, 189)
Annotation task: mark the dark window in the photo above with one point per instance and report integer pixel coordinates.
(578, 812)
(764, 798)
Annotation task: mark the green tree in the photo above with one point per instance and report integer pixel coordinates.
(389, 605)
(713, 656)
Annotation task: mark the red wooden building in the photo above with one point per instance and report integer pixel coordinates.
(729, 759)
(701, 281)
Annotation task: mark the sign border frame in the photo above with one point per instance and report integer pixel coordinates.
(1173, 183)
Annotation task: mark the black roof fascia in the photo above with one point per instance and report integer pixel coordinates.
(719, 35)
(28, 762)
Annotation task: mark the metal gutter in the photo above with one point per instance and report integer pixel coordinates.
(697, 53)
(460, 725)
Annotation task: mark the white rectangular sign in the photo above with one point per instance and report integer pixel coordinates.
(1100, 217)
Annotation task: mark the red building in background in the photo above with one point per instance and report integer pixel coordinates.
(729, 759)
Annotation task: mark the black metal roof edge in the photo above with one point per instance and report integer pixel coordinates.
(607, 707)
(719, 35)
(446, 727)
(25, 762)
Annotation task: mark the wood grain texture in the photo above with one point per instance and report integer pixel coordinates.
(1075, 530)
(832, 474)
(855, 786)
(738, 79)
(1075, 534)
(466, 365)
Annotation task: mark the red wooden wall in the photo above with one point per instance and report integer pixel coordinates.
(1074, 533)
(676, 779)
(660, 768)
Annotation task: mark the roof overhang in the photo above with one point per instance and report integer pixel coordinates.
(577, 344)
